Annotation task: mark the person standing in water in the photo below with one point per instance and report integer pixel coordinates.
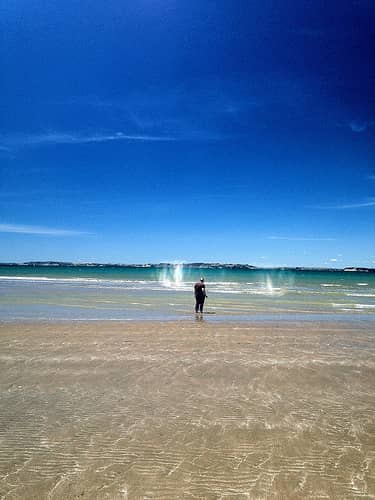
(200, 295)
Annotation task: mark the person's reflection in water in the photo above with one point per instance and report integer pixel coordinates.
(199, 318)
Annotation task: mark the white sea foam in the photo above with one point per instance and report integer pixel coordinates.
(360, 294)
(30, 278)
(164, 284)
(362, 284)
(226, 283)
(354, 306)
(330, 284)
(65, 280)
(98, 282)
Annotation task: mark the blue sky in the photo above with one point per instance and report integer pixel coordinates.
(188, 131)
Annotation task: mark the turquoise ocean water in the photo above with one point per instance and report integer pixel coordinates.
(131, 293)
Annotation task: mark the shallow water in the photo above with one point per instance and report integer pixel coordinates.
(148, 293)
(187, 410)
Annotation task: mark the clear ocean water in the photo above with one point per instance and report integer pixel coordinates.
(139, 293)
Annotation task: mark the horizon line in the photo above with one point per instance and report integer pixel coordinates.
(53, 263)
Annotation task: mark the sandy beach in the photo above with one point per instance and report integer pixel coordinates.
(135, 410)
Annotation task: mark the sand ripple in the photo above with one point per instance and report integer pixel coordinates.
(179, 410)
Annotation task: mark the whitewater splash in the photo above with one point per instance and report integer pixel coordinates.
(172, 278)
(269, 288)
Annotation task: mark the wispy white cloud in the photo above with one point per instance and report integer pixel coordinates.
(40, 230)
(50, 138)
(360, 126)
(299, 238)
(356, 126)
(203, 110)
(370, 202)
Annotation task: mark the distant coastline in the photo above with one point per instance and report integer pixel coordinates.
(188, 265)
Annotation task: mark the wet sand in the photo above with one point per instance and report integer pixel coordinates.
(187, 410)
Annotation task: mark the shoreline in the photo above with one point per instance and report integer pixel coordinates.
(182, 409)
(214, 319)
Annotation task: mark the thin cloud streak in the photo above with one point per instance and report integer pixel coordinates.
(297, 238)
(71, 138)
(361, 204)
(39, 230)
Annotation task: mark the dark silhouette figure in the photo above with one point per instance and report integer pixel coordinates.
(200, 295)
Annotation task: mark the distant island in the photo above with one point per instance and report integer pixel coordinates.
(160, 265)
(189, 265)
